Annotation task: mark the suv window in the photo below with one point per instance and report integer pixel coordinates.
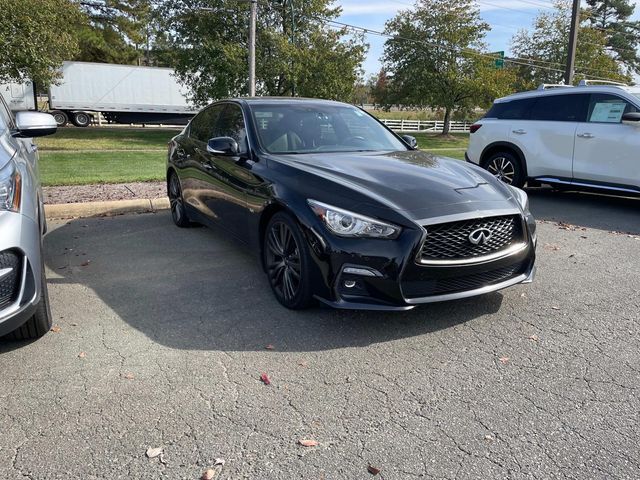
(232, 125)
(512, 110)
(607, 108)
(560, 108)
(203, 124)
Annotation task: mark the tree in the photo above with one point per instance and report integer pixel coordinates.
(435, 59)
(611, 17)
(380, 89)
(119, 31)
(544, 50)
(36, 36)
(209, 43)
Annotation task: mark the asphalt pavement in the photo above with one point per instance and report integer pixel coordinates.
(161, 336)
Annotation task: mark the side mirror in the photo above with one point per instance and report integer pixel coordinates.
(34, 124)
(223, 146)
(411, 141)
(632, 119)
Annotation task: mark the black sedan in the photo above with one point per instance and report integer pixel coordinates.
(340, 209)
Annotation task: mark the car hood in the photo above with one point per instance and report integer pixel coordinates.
(414, 182)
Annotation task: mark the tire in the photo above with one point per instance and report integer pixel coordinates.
(81, 119)
(288, 262)
(40, 322)
(505, 166)
(60, 117)
(178, 210)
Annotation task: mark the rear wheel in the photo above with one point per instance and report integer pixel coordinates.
(507, 167)
(287, 261)
(81, 119)
(178, 210)
(60, 117)
(40, 322)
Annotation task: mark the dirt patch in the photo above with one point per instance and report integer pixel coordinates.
(103, 192)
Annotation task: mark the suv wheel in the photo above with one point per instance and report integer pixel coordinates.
(176, 200)
(507, 167)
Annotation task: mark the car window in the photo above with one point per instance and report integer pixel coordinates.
(5, 116)
(606, 108)
(309, 127)
(511, 110)
(231, 124)
(560, 108)
(204, 123)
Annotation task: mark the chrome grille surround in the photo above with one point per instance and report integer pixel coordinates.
(449, 243)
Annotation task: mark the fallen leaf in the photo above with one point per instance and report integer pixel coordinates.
(270, 347)
(219, 461)
(162, 460)
(488, 438)
(504, 360)
(128, 376)
(303, 363)
(534, 338)
(555, 308)
(208, 474)
(74, 324)
(265, 379)
(308, 443)
(55, 329)
(85, 263)
(153, 452)
(373, 470)
(82, 354)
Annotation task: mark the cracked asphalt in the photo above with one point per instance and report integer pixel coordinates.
(161, 343)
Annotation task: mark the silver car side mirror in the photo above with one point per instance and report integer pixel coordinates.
(34, 124)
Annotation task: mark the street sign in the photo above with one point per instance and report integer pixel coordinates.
(499, 61)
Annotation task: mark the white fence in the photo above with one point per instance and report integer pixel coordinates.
(435, 126)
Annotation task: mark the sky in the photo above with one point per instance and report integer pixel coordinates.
(506, 17)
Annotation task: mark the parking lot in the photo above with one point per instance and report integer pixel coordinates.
(161, 336)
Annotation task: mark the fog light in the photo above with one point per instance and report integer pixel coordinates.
(349, 283)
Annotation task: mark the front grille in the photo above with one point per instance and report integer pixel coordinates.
(451, 241)
(443, 286)
(10, 284)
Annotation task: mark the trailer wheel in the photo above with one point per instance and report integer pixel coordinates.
(81, 119)
(60, 117)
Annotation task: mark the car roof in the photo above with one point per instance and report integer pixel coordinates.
(285, 101)
(562, 89)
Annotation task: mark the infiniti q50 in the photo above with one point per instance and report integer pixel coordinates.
(340, 209)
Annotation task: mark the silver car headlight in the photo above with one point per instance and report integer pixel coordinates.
(10, 188)
(349, 224)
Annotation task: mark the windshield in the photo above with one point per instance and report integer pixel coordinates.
(300, 127)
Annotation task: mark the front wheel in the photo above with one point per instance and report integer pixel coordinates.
(506, 167)
(40, 322)
(287, 262)
(176, 201)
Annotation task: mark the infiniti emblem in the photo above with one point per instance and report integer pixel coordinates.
(480, 236)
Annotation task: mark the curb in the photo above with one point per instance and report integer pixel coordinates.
(102, 209)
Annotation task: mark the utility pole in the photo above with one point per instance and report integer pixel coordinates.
(252, 48)
(573, 41)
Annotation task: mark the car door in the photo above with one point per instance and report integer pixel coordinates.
(607, 150)
(229, 177)
(190, 155)
(547, 136)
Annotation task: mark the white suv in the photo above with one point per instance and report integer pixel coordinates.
(582, 137)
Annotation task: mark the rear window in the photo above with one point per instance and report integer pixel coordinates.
(560, 108)
(511, 110)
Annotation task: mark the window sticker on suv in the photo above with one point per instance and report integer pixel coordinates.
(607, 112)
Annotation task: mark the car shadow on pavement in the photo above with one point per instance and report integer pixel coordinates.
(602, 212)
(196, 289)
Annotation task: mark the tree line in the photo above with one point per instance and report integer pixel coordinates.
(435, 54)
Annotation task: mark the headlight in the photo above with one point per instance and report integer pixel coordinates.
(10, 188)
(349, 224)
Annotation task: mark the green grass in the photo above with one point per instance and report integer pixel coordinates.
(107, 139)
(427, 141)
(82, 168)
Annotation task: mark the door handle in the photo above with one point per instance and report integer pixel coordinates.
(520, 131)
(586, 135)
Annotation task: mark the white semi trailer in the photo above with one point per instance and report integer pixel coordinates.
(19, 96)
(121, 93)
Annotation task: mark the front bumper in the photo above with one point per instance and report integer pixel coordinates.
(21, 235)
(384, 275)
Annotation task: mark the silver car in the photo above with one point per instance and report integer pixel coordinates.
(24, 305)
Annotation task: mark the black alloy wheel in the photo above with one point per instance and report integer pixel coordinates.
(176, 201)
(506, 167)
(287, 260)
